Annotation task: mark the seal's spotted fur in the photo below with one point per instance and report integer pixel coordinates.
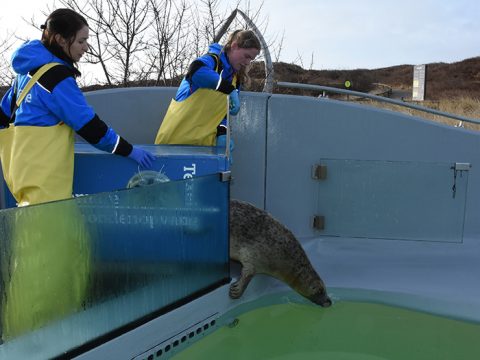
(264, 246)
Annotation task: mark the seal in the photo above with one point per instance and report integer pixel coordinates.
(264, 246)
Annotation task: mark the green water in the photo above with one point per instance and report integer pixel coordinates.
(346, 331)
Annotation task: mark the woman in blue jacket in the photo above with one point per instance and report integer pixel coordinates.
(197, 114)
(38, 164)
(46, 271)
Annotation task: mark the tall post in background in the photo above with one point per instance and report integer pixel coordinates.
(419, 82)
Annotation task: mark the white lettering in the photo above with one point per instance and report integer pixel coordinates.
(189, 171)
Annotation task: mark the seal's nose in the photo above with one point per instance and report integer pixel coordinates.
(321, 299)
(326, 302)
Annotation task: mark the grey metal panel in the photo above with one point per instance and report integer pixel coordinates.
(134, 113)
(249, 135)
(302, 130)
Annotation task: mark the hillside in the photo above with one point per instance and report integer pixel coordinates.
(444, 80)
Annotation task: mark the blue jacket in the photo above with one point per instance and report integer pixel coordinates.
(64, 102)
(202, 74)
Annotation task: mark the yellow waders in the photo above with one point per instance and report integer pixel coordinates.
(49, 256)
(194, 120)
(40, 168)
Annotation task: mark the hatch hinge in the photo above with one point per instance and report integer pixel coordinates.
(319, 172)
(225, 176)
(318, 222)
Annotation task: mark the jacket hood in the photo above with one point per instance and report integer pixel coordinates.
(215, 48)
(218, 49)
(31, 55)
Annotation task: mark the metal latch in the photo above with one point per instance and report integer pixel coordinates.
(458, 168)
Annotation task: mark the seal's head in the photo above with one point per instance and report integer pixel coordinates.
(314, 289)
(321, 298)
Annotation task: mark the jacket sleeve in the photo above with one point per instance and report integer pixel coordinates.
(97, 133)
(5, 108)
(69, 104)
(202, 74)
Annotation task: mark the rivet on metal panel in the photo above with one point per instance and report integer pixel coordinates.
(319, 172)
(319, 222)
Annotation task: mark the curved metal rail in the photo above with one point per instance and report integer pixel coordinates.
(375, 97)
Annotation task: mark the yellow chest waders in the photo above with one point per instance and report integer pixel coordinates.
(194, 120)
(37, 162)
(49, 251)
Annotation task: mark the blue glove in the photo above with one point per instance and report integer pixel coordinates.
(234, 102)
(142, 157)
(222, 141)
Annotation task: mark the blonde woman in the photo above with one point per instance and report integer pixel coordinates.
(197, 114)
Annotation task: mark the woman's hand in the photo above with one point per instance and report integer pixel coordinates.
(234, 102)
(144, 158)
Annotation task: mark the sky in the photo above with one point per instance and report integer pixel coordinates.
(339, 34)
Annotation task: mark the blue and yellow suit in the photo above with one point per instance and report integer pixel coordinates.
(197, 114)
(48, 255)
(44, 124)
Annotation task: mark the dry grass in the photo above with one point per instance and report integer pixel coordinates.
(444, 80)
(463, 106)
(452, 88)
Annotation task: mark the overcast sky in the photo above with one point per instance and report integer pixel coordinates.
(341, 34)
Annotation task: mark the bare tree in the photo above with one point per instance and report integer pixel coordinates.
(182, 35)
(151, 40)
(211, 19)
(167, 40)
(298, 60)
(278, 48)
(119, 28)
(6, 73)
(312, 58)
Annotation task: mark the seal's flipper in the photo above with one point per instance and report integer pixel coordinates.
(238, 287)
